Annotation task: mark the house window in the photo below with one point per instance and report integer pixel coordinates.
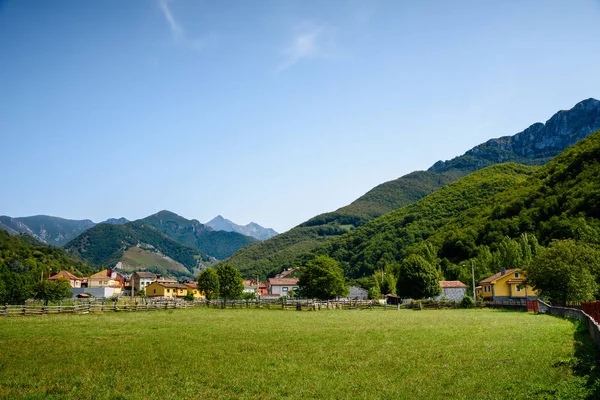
(284, 289)
(168, 290)
(518, 288)
(154, 291)
(517, 275)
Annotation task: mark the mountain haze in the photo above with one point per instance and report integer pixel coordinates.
(534, 146)
(252, 229)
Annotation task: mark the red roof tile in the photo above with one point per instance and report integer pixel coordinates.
(452, 284)
(283, 281)
(64, 274)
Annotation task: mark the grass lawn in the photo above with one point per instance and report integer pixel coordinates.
(200, 353)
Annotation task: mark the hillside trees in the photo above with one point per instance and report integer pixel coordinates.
(231, 284)
(52, 290)
(322, 278)
(417, 279)
(567, 271)
(208, 283)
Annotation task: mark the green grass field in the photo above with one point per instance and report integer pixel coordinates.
(200, 353)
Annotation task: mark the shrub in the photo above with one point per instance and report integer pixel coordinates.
(467, 302)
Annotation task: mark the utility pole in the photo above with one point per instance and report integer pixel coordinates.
(473, 275)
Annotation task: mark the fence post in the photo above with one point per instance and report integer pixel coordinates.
(6, 309)
(59, 306)
(24, 308)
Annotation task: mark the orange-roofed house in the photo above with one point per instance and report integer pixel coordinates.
(192, 287)
(74, 280)
(452, 290)
(282, 286)
(507, 285)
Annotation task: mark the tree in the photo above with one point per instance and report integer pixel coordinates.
(52, 290)
(208, 283)
(565, 271)
(322, 278)
(417, 278)
(231, 283)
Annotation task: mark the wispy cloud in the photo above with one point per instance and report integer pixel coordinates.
(176, 29)
(179, 34)
(308, 42)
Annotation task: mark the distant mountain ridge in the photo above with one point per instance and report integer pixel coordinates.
(252, 229)
(51, 230)
(219, 244)
(536, 145)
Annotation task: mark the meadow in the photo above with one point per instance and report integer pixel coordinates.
(205, 354)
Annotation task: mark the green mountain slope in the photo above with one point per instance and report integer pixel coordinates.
(219, 244)
(534, 146)
(24, 260)
(106, 244)
(474, 215)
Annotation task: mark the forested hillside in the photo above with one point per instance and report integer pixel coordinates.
(482, 214)
(534, 146)
(105, 244)
(24, 260)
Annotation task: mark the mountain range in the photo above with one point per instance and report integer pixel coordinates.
(252, 229)
(536, 145)
(59, 231)
(163, 242)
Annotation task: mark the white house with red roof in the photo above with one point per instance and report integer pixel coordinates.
(282, 286)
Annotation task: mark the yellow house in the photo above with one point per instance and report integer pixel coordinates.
(172, 290)
(506, 285)
(106, 278)
(192, 288)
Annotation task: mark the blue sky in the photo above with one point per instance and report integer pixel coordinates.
(267, 111)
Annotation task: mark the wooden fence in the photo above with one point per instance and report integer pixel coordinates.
(127, 305)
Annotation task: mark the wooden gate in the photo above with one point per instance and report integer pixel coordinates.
(592, 309)
(532, 306)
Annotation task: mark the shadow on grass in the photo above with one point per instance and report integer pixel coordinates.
(586, 359)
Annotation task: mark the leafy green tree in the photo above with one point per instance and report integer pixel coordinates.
(231, 283)
(374, 293)
(417, 279)
(322, 278)
(52, 290)
(388, 286)
(566, 271)
(208, 283)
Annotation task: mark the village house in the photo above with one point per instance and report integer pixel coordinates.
(169, 290)
(104, 284)
(140, 280)
(192, 287)
(452, 290)
(73, 280)
(282, 286)
(357, 293)
(507, 285)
